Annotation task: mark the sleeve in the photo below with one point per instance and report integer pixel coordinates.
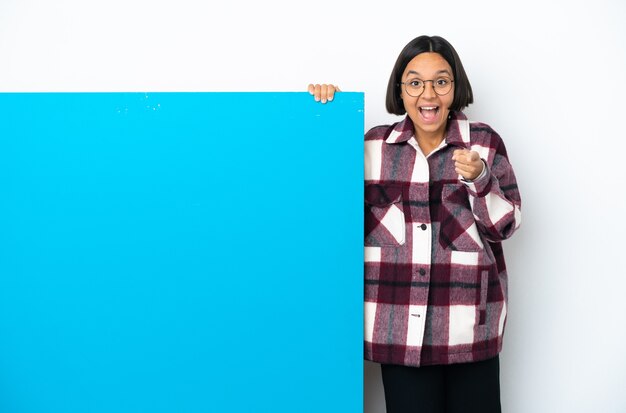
(495, 198)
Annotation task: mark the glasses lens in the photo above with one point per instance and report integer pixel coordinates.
(442, 85)
(414, 87)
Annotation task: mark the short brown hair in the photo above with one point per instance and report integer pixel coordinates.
(463, 95)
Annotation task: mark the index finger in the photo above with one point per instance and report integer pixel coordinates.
(458, 152)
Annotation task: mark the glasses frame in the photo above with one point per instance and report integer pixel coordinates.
(432, 84)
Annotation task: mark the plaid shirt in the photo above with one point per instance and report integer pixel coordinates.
(435, 277)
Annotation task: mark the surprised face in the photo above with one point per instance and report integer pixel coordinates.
(428, 111)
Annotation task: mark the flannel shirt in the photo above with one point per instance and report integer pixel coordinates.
(435, 276)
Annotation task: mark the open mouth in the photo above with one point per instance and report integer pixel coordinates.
(429, 113)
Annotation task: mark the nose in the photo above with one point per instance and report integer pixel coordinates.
(429, 89)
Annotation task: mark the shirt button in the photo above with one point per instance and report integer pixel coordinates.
(422, 271)
(423, 227)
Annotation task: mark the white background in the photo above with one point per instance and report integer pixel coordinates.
(548, 76)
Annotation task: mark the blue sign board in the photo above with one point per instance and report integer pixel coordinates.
(180, 252)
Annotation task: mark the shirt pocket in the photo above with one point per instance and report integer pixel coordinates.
(458, 230)
(384, 216)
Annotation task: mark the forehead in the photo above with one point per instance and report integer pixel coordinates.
(428, 64)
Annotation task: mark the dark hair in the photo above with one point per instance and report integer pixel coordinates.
(462, 89)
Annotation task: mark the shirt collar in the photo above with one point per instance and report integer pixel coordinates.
(403, 131)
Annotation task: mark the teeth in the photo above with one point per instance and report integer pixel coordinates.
(429, 108)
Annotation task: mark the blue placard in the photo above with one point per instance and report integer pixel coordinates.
(180, 252)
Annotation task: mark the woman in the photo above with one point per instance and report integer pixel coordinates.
(440, 195)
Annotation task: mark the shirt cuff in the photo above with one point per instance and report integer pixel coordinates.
(479, 186)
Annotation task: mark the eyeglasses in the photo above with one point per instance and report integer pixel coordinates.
(415, 87)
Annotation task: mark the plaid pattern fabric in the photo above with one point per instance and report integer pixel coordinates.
(435, 277)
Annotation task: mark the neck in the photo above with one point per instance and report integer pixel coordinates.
(429, 142)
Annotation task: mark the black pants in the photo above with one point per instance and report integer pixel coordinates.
(456, 388)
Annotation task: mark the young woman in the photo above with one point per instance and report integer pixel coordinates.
(440, 196)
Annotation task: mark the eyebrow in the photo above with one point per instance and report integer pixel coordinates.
(438, 73)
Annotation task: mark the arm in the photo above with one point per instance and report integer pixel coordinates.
(495, 199)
